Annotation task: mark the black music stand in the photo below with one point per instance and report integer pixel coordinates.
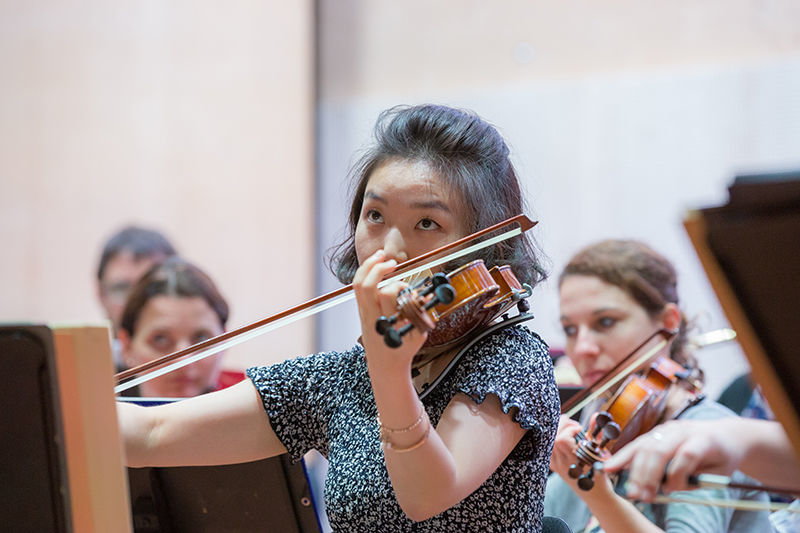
(750, 250)
(34, 492)
(268, 495)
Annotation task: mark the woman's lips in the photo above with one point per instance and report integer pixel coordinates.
(594, 376)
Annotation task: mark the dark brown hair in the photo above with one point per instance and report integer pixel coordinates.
(173, 277)
(644, 274)
(141, 242)
(472, 159)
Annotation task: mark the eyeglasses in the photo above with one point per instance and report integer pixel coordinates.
(117, 291)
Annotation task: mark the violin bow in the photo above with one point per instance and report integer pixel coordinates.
(743, 505)
(163, 365)
(701, 481)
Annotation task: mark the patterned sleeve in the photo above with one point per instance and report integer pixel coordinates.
(296, 396)
(514, 365)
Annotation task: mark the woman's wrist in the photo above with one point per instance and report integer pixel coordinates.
(406, 438)
(388, 370)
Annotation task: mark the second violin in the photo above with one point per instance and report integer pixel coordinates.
(637, 406)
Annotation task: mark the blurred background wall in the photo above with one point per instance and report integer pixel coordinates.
(194, 118)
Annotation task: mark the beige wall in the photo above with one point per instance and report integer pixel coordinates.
(192, 117)
(375, 47)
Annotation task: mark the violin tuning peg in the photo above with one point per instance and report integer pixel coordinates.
(392, 338)
(600, 421)
(575, 470)
(586, 482)
(384, 324)
(611, 431)
(445, 294)
(439, 279)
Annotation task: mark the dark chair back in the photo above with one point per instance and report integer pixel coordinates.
(553, 524)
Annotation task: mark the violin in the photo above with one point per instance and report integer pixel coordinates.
(448, 307)
(636, 407)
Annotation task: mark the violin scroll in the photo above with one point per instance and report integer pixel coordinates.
(414, 303)
(592, 450)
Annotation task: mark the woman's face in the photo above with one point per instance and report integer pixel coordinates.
(602, 324)
(165, 325)
(407, 211)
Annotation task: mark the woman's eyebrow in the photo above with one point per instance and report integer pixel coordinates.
(432, 204)
(369, 195)
(424, 204)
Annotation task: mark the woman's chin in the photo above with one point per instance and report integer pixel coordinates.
(592, 378)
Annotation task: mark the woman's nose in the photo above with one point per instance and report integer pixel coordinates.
(585, 344)
(394, 246)
(182, 344)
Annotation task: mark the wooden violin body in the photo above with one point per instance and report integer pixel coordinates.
(449, 307)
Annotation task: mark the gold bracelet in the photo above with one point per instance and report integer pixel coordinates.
(388, 445)
(417, 422)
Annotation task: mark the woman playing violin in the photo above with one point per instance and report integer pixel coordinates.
(473, 455)
(612, 296)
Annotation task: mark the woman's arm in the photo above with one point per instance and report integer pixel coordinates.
(223, 427)
(449, 462)
(468, 445)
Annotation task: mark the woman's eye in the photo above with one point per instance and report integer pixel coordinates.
(160, 341)
(570, 331)
(374, 216)
(427, 224)
(200, 337)
(606, 322)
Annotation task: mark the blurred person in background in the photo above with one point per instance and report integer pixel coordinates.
(173, 306)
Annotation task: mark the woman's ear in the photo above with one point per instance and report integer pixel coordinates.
(671, 316)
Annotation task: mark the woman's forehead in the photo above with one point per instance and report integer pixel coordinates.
(591, 290)
(174, 309)
(413, 184)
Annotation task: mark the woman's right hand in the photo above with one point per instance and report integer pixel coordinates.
(675, 450)
(374, 302)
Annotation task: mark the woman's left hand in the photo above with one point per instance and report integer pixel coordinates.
(563, 456)
(564, 446)
(374, 302)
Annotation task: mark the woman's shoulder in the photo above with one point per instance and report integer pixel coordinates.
(512, 346)
(706, 409)
(514, 365)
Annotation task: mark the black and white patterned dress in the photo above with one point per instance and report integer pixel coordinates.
(325, 401)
